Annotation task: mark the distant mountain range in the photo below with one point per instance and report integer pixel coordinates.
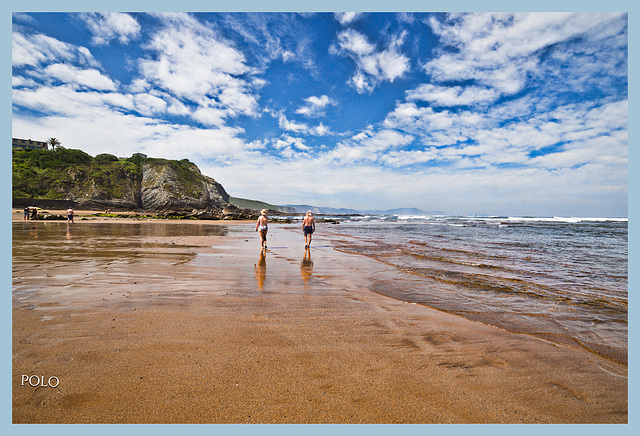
(319, 210)
(302, 208)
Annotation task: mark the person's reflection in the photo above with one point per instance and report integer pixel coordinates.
(31, 229)
(306, 267)
(69, 229)
(261, 269)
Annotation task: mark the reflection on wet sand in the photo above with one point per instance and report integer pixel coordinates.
(30, 229)
(306, 267)
(261, 269)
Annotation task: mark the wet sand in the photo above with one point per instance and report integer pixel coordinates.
(200, 328)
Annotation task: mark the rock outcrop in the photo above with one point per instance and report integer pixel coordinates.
(179, 186)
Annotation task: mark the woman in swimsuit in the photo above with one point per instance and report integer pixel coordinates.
(261, 226)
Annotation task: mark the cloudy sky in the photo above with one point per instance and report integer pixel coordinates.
(504, 114)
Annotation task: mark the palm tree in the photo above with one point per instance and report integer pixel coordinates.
(53, 142)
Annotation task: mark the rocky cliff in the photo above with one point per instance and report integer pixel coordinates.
(106, 182)
(179, 186)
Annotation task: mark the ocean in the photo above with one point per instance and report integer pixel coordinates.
(564, 280)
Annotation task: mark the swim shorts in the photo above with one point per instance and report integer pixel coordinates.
(307, 230)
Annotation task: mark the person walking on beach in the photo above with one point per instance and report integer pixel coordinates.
(70, 215)
(27, 212)
(261, 226)
(308, 227)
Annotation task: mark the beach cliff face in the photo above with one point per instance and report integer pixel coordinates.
(164, 186)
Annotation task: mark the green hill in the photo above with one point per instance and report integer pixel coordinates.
(105, 181)
(251, 204)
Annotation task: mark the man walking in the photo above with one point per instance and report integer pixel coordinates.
(308, 227)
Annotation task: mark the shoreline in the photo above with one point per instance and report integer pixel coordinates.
(203, 329)
(88, 216)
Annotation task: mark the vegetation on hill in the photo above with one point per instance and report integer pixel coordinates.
(106, 181)
(251, 204)
(55, 174)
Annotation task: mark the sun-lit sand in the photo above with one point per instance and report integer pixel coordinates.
(203, 329)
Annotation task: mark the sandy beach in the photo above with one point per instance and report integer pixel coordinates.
(189, 322)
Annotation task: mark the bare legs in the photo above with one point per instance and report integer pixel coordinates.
(263, 239)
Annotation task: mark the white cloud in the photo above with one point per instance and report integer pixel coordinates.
(315, 106)
(210, 116)
(195, 64)
(360, 83)
(286, 141)
(139, 84)
(567, 137)
(89, 78)
(502, 50)
(406, 17)
(428, 122)
(63, 100)
(354, 42)
(86, 120)
(404, 158)
(111, 25)
(368, 147)
(36, 50)
(452, 95)
(149, 105)
(291, 126)
(222, 145)
(373, 67)
(19, 81)
(275, 37)
(320, 130)
(345, 18)
(458, 190)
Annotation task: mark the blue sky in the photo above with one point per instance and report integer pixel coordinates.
(506, 114)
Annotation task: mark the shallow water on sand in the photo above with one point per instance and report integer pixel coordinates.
(563, 280)
(83, 256)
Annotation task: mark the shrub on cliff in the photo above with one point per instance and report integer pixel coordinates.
(60, 173)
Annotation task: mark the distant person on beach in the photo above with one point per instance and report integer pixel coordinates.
(261, 226)
(27, 212)
(70, 215)
(34, 213)
(308, 227)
